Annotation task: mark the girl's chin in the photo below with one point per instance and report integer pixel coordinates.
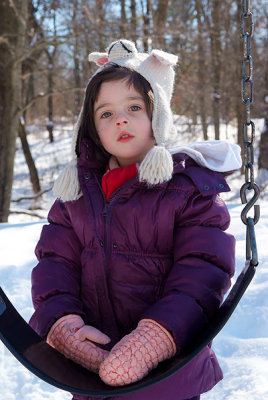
(130, 159)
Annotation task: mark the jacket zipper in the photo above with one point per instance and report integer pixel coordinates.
(106, 213)
(107, 217)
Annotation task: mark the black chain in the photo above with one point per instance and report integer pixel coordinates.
(248, 135)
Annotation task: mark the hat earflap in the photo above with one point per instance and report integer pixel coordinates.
(157, 166)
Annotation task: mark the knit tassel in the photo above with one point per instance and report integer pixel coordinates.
(157, 166)
(66, 186)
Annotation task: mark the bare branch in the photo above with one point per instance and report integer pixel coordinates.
(35, 196)
(17, 12)
(45, 95)
(31, 214)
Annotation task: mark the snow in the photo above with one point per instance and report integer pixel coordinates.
(242, 345)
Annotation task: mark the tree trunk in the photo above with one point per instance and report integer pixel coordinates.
(263, 150)
(51, 60)
(146, 25)
(262, 178)
(201, 73)
(123, 25)
(29, 159)
(133, 21)
(216, 64)
(50, 124)
(263, 155)
(77, 74)
(12, 33)
(239, 107)
(160, 19)
(101, 23)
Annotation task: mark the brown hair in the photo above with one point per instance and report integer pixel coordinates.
(112, 72)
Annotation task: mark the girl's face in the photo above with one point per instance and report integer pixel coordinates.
(122, 122)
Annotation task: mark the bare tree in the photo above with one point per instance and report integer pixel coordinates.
(146, 23)
(239, 109)
(201, 71)
(123, 24)
(77, 75)
(160, 12)
(34, 178)
(29, 65)
(216, 63)
(12, 38)
(263, 153)
(133, 21)
(212, 13)
(263, 159)
(51, 55)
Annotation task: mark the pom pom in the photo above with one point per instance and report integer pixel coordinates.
(157, 166)
(66, 186)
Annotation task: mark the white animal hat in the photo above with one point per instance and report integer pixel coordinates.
(157, 69)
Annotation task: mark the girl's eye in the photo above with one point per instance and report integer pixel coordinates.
(106, 114)
(135, 108)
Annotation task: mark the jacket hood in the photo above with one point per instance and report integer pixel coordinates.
(216, 155)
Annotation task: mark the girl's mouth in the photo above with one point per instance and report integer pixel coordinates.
(125, 137)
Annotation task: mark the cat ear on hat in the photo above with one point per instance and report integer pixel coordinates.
(99, 58)
(164, 58)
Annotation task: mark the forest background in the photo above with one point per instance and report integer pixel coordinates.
(44, 68)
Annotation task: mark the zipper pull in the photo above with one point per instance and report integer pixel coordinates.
(105, 210)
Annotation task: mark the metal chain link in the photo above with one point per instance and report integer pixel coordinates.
(248, 135)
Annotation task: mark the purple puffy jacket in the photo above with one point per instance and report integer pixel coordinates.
(156, 252)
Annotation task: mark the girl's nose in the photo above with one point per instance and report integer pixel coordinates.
(121, 120)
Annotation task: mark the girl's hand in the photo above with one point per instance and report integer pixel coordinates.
(71, 337)
(137, 353)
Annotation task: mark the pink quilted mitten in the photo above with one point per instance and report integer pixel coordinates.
(71, 337)
(137, 353)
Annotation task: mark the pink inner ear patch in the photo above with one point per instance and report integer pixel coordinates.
(165, 58)
(102, 60)
(162, 60)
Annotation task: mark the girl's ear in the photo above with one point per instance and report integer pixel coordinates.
(99, 58)
(164, 58)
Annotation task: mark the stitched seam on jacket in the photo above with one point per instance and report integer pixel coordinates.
(141, 254)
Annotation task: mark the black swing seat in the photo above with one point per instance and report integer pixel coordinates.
(51, 366)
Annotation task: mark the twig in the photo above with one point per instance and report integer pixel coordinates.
(47, 94)
(35, 196)
(26, 213)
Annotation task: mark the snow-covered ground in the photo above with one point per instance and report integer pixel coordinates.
(242, 346)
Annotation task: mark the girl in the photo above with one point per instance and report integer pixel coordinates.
(134, 261)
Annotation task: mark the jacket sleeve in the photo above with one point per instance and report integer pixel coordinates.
(202, 269)
(56, 278)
